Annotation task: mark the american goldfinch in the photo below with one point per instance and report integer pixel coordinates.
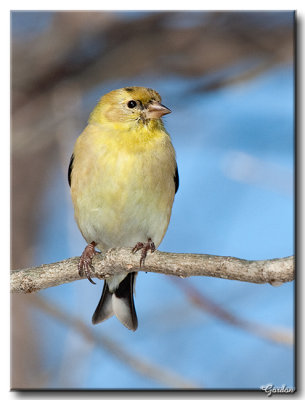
(123, 177)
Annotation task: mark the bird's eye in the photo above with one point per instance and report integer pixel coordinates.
(131, 104)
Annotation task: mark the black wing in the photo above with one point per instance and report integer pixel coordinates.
(176, 179)
(70, 169)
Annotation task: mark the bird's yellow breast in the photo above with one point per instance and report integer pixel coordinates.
(122, 184)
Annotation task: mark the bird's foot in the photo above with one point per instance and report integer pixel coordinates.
(144, 247)
(85, 262)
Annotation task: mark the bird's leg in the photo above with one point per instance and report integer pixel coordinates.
(145, 247)
(85, 262)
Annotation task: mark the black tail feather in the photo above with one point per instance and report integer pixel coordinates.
(120, 303)
(123, 303)
(104, 309)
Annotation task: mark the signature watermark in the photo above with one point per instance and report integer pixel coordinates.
(271, 389)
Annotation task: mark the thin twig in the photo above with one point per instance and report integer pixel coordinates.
(155, 372)
(114, 261)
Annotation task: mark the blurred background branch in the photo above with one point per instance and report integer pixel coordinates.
(274, 334)
(157, 373)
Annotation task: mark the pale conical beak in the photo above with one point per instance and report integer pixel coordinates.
(156, 110)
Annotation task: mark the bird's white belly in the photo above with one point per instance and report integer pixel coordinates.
(135, 222)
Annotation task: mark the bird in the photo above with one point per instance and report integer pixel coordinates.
(123, 178)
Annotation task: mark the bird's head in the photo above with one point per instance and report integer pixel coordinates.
(130, 105)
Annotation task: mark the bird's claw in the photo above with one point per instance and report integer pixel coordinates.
(85, 263)
(145, 247)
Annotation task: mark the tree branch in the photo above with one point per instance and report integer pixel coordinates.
(114, 261)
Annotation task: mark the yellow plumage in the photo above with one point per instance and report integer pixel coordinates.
(123, 173)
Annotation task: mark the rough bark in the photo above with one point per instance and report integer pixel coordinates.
(274, 271)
